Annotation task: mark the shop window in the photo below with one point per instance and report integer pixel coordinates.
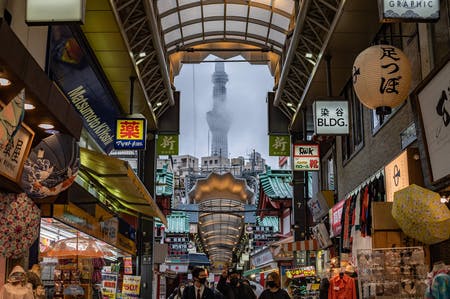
(328, 171)
(354, 141)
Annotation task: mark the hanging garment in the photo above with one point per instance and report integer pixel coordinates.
(342, 286)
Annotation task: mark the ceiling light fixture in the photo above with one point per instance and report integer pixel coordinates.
(28, 106)
(46, 126)
(308, 55)
(4, 81)
(142, 54)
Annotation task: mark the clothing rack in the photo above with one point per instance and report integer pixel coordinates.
(371, 178)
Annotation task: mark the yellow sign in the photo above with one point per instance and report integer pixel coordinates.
(130, 133)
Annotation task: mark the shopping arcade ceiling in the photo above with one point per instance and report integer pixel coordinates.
(300, 78)
(170, 32)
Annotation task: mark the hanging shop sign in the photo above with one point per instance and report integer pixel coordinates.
(308, 271)
(381, 78)
(432, 100)
(279, 145)
(318, 206)
(130, 133)
(167, 144)
(45, 11)
(331, 117)
(335, 218)
(14, 153)
(403, 171)
(128, 265)
(75, 72)
(306, 157)
(408, 11)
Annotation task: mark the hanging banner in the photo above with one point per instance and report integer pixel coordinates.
(75, 72)
(131, 286)
(306, 157)
(130, 133)
(167, 145)
(335, 218)
(279, 145)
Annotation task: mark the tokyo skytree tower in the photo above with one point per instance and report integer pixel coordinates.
(218, 118)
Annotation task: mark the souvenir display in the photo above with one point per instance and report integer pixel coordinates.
(394, 272)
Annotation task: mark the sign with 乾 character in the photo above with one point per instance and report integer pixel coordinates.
(331, 117)
(306, 157)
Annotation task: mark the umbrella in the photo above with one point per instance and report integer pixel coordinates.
(77, 247)
(11, 116)
(51, 167)
(19, 224)
(421, 215)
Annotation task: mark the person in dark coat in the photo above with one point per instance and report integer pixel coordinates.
(273, 290)
(198, 290)
(235, 289)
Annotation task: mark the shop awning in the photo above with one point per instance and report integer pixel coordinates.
(301, 245)
(120, 181)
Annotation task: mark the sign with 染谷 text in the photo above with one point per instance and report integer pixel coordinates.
(279, 145)
(331, 117)
(407, 10)
(167, 145)
(130, 133)
(14, 153)
(306, 157)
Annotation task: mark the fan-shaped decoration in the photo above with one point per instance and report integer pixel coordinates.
(51, 167)
(19, 224)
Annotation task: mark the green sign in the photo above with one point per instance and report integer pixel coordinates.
(167, 145)
(279, 145)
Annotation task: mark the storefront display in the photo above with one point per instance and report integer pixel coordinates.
(394, 272)
(304, 283)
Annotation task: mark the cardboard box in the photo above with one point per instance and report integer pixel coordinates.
(382, 217)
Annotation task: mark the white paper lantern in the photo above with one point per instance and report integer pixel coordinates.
(382, 77)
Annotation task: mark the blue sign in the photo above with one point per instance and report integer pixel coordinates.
(75, 72)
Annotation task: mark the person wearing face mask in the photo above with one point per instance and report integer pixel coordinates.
(273, 290)
(198, 290)
(235, 289)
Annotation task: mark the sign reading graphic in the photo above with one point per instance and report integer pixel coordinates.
(130, 133)
(331, 117)
(167, 145)
(306, 157)
(279, 145)
(413, 11)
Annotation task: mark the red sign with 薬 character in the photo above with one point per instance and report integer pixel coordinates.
(130, 133)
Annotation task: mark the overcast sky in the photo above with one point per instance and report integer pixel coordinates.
(247, 89)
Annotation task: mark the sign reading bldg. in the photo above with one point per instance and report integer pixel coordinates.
(331, 117)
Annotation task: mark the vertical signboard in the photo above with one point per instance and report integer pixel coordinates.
(75, 72)
(279, 145)
(167, 144)
(331, 117)
(306, 157)
(130, 133)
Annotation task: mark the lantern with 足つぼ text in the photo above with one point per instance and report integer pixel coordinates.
(382, 78)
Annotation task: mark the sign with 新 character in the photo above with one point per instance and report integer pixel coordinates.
(279, 145)
(167, 144)
(306, 157)
(130, 133)
(331, 117)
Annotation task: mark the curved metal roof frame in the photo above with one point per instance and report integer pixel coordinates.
(264, 23)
